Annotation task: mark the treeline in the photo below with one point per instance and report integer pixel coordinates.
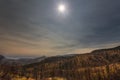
(107, 72)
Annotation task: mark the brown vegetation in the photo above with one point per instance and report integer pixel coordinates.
(97, 65)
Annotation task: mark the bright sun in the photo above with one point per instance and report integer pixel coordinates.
(61, 8)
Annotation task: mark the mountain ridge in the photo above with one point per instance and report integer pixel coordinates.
(95, 58)
(99, 53)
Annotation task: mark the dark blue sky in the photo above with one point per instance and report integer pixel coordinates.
(35, 27)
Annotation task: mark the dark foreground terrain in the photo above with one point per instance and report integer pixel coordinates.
(101, 64)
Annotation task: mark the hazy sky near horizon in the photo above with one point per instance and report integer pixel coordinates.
(36, 27)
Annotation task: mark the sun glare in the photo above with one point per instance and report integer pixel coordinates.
(61, 8)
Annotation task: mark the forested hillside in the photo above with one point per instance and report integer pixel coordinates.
(101, 64)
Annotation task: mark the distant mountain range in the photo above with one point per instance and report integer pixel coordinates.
(95, 58)
(22, 61)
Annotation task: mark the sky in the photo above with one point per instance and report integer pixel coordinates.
(37, 27)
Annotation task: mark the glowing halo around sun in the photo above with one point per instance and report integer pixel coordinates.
(61, 8)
